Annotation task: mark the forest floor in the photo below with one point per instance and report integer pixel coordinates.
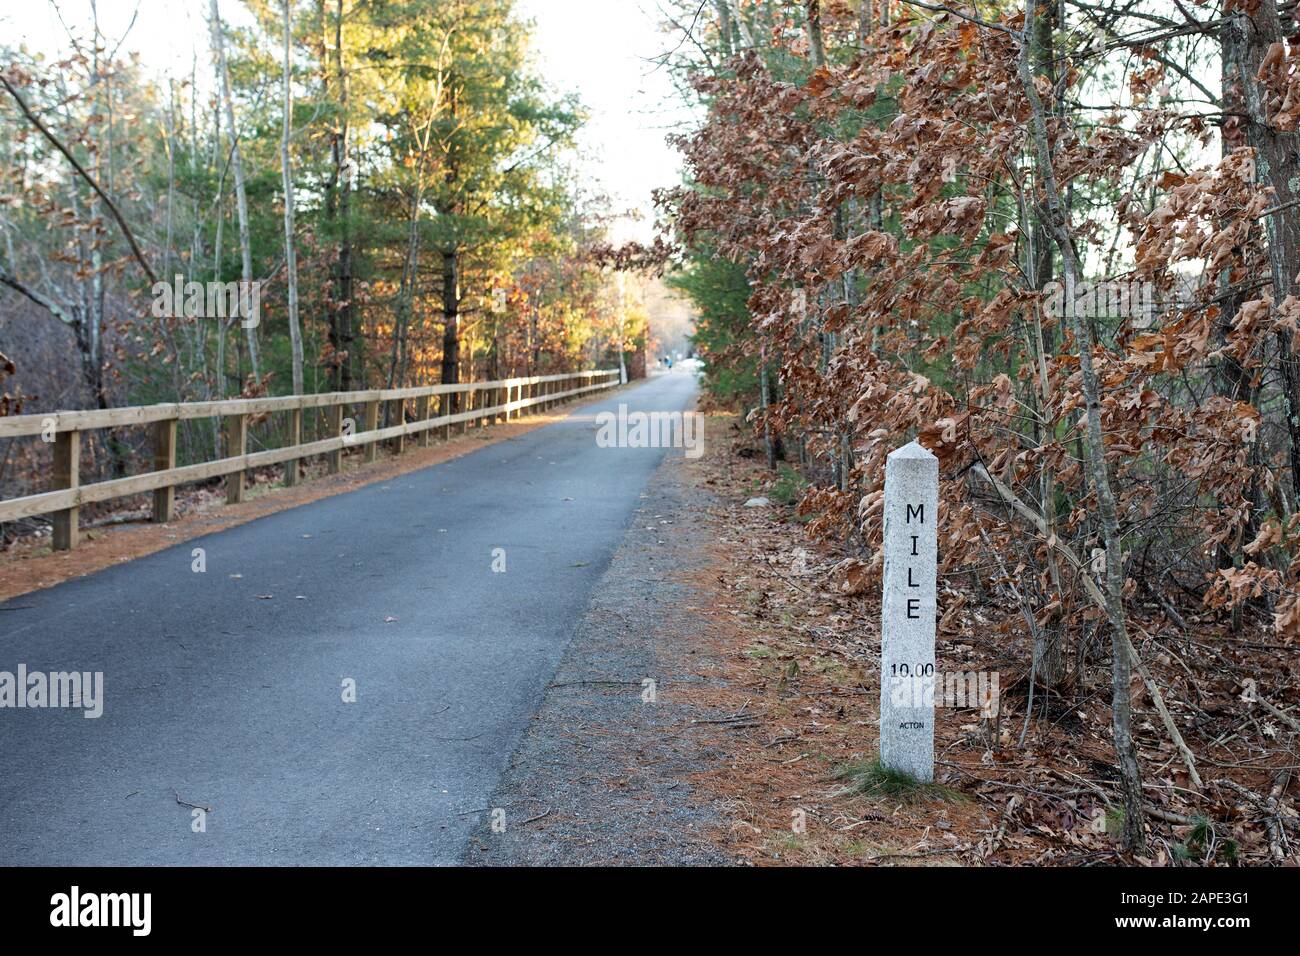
(122, 531)
(788, 652)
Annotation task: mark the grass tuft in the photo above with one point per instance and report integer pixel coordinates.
(789, 487)
(1201, 841)
(873, 779)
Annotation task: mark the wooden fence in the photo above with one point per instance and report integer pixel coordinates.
(434, 406)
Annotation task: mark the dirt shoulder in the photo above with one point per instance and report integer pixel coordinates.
(603, 774)
(793, 667)
(30, 564)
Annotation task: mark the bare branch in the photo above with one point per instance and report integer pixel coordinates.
(112, 207)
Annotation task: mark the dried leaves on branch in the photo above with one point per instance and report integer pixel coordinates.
(1052, 261)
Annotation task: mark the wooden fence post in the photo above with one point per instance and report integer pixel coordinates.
(295, 439)
(67, 474)
(236, 446)
(422, 405)
(468, 406)
(334, 426)
(372, 423)
(164, 459)
(444, 409)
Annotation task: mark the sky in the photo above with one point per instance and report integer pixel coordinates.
(599, 49)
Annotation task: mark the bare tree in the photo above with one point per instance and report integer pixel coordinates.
(237, 167)
(1054, 215)
(290, 252)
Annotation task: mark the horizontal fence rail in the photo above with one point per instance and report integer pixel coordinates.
(435, 406)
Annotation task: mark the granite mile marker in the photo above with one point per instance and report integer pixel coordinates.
(908, 612)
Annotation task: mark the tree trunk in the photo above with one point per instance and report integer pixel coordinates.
(222, 324)
(1230, 379)
(746, 35)
(1049, 656)
(342, 336)
(816, 47)
(620, 281)
(1121, 663)
(866, 20)
(1249, 36)
(769, 449)
(290, 251)
(237, 165)
(535, 358)
(406, 292)
(724, 27)
(451, 320)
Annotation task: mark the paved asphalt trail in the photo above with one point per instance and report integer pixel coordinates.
(235, 702)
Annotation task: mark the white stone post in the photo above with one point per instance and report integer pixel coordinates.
(909, 612)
